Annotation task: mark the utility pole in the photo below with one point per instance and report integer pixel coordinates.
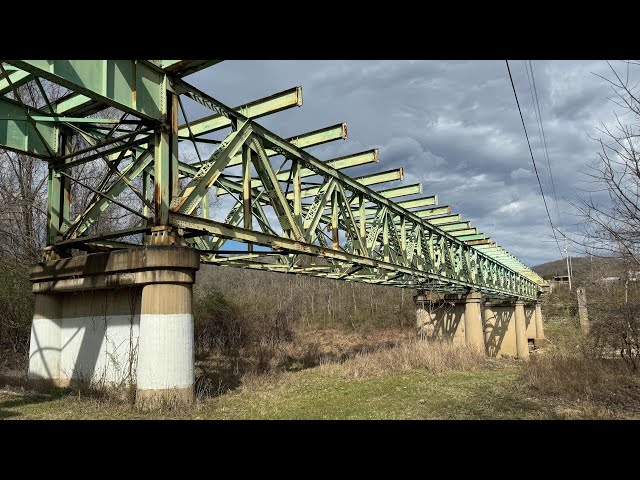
(566, 252)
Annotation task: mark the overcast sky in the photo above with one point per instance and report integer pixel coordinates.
(453, 125)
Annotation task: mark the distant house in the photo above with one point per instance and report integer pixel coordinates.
(561, 278)
(609, 279)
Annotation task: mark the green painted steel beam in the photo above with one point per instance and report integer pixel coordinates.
(366, 180)
(465, 232)
(129, 85)
(444, 220)
(182, 68)
(318, 137)
(431, 212)
(91, 214)
(310, 139)
(420, 202)
(256, 109)
(16, 79)
(208, 174)
(403, 191)
(455, 226)
(61, 119)
(390, 193)
(220, 229)
(19, 134)
(272, 140)
(340, 163)
(74, 102)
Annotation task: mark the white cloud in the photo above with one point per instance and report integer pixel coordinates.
(521, 173)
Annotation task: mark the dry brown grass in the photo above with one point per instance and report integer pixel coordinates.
(605, 382)
(433, 356)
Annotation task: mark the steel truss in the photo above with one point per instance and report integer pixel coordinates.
(298, 214)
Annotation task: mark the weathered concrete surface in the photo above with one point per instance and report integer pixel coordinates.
(522, 343)
(116, 318)
(530, 320)
(441, 316)
(454, 317)
(473, 320)
(500, 329)
(539, 324)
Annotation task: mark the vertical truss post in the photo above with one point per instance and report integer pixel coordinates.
(53, 205)
(419, 251)
(403, 238)
(246, 187)
(66, 183)
(361, 218)
(204, 206)
(59, 195)
(166, 157)
(161, 193)
(247, 209)
(146, 192)
(385, 237)
(172, 118)
(335, 238)
(297, 191)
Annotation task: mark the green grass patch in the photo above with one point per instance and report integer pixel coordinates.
(322, 393)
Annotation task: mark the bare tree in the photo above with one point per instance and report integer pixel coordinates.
(610, 207)
(610, 217)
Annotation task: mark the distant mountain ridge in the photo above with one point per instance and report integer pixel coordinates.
(583, 267)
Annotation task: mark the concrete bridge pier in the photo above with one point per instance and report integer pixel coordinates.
(454, 317)
(425, 316)
(505, 329)
(116, 319)
(538, 321)
(473, 332)
(522, 344)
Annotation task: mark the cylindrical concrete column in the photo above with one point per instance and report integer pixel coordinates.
(166, 352)
(473, 321)
(45, 345)
(539, 325)
(522, 344)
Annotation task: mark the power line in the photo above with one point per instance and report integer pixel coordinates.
(553, 230)
(544, 142)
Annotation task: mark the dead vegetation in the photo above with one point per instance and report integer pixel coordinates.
(412, 354)
(607, 383)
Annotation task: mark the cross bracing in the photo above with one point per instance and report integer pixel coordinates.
(295, 213)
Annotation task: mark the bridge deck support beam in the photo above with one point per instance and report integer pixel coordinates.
(120, 319)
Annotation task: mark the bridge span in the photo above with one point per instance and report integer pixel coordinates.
(131, 178)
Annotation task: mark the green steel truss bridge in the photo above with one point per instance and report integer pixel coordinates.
(296, 213)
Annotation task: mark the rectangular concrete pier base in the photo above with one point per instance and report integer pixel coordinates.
(116, 319)
(500, 329)
(457, 318)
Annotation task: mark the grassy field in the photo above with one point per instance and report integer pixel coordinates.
(408, 381)
(322, 393)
